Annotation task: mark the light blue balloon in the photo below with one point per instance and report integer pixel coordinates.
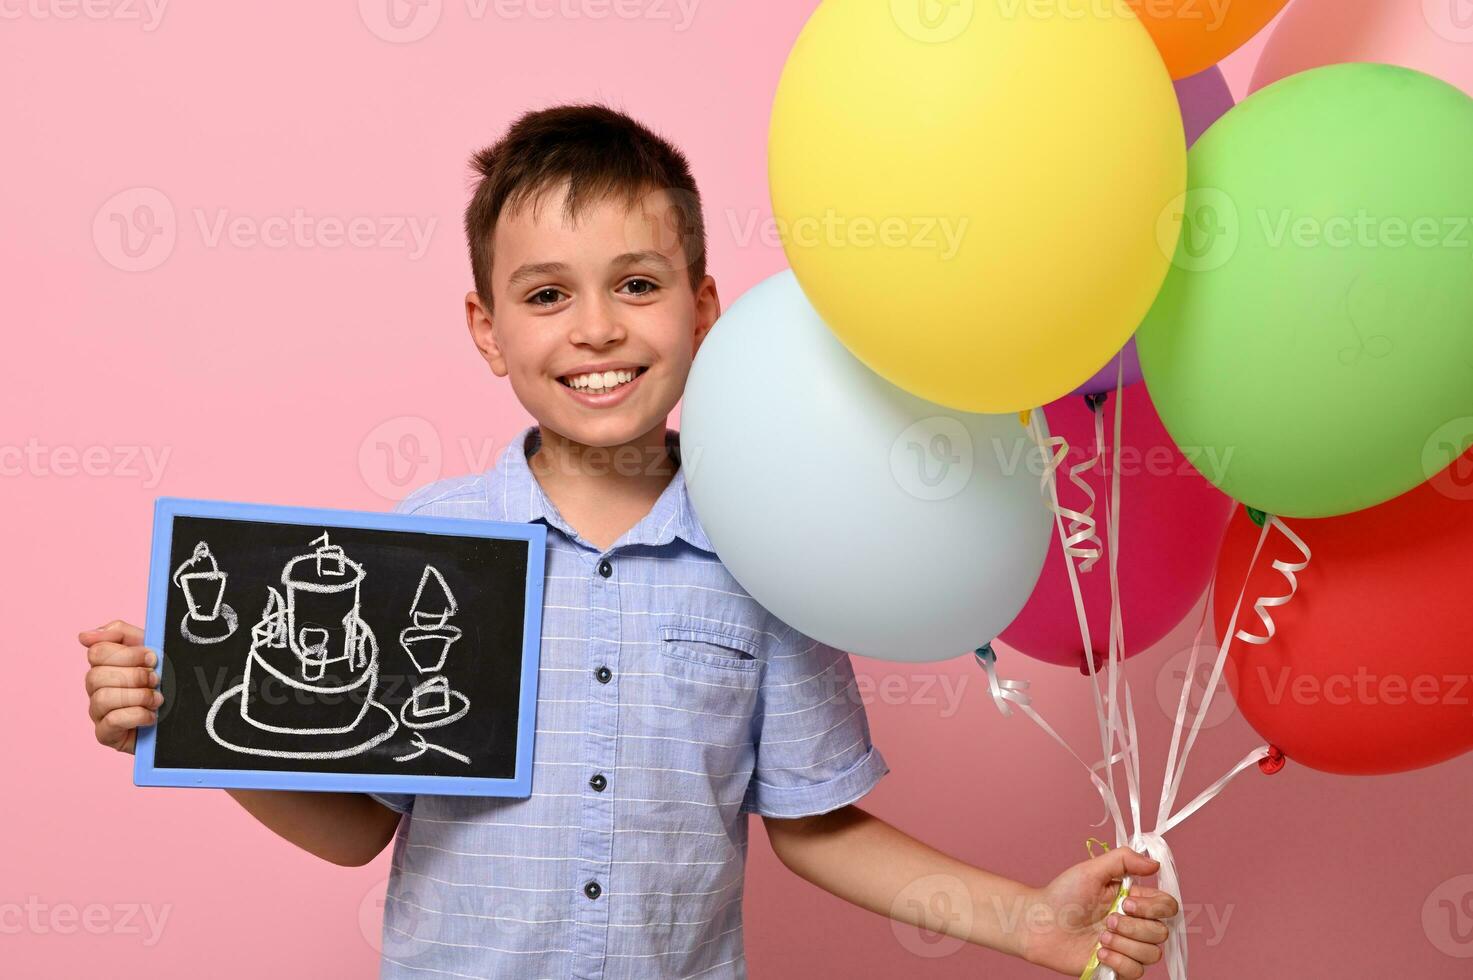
(859, 514)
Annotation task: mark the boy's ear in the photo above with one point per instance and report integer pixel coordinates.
(480, 321)
(708, 309)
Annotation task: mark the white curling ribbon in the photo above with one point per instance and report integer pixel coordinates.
(1009, 693)
(1118, 727)
(1077, 543)
(1154, 845)
(1087, 526)
(1289, 570)
(1050, 483)
(1176, 764)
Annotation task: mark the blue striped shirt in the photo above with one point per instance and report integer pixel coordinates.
(670, 705)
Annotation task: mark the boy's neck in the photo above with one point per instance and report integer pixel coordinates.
(603, 491)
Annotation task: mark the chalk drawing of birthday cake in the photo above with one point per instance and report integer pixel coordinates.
(313, 670)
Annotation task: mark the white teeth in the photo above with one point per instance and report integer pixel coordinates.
(600, 381)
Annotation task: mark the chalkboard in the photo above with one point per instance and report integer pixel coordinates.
(342, 650)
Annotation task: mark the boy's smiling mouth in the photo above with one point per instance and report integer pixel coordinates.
(604, 385)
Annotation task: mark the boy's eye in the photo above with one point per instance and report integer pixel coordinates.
(545, 297)
(642, 292)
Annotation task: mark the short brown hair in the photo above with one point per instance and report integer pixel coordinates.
(601, 152)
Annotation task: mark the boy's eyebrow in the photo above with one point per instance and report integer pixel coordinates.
(532, 270)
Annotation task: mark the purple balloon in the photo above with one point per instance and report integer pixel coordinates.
(1104, 378)
(1204, 98)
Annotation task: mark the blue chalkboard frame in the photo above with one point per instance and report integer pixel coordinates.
(145, 773)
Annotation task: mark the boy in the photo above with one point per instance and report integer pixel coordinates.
(671, 704)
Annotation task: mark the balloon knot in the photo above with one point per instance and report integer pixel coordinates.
(1255, 515)
(1097, 401)
(1084, 663)
(1272, 762)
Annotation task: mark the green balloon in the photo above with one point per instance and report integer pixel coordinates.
(1315, 332)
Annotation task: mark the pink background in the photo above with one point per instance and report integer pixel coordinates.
(316, 372)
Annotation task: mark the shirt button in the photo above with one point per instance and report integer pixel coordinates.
(604, 675)
(605, 569)
(598, 782)
(592, 890)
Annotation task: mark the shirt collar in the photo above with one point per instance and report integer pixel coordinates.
(515, 495)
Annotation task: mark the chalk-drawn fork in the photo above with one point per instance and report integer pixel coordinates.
(419, 740)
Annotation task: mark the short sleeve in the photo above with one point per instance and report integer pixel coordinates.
(813, 744)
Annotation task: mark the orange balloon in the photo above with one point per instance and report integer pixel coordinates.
(1194, 35)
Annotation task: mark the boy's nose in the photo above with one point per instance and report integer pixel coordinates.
(598, 325)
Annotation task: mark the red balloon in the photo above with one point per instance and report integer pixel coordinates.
(1171, 526)
(1370, 669)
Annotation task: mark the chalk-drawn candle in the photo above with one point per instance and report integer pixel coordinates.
(322, 608)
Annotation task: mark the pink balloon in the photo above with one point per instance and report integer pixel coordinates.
(1172, 523)
(1432, 36)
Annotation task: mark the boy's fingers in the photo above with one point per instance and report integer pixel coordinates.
(110, 699)
(118, 655)
(1143, 930)
(1150, 903)
(1123, 861)
(100, 677)
(1125, 968)
(116, 727)
(116, 631)
(1145, 953)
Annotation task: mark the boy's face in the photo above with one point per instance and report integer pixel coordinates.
(611, 292)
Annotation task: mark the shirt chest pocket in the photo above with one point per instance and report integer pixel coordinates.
(705, 692)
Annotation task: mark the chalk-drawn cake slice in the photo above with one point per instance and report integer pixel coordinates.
(312, 671)
(432, 704)
(209, 619)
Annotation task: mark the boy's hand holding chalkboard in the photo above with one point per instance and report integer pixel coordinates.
(328, 650)
(122, 685)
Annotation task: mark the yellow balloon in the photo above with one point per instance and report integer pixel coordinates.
(969, 190)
